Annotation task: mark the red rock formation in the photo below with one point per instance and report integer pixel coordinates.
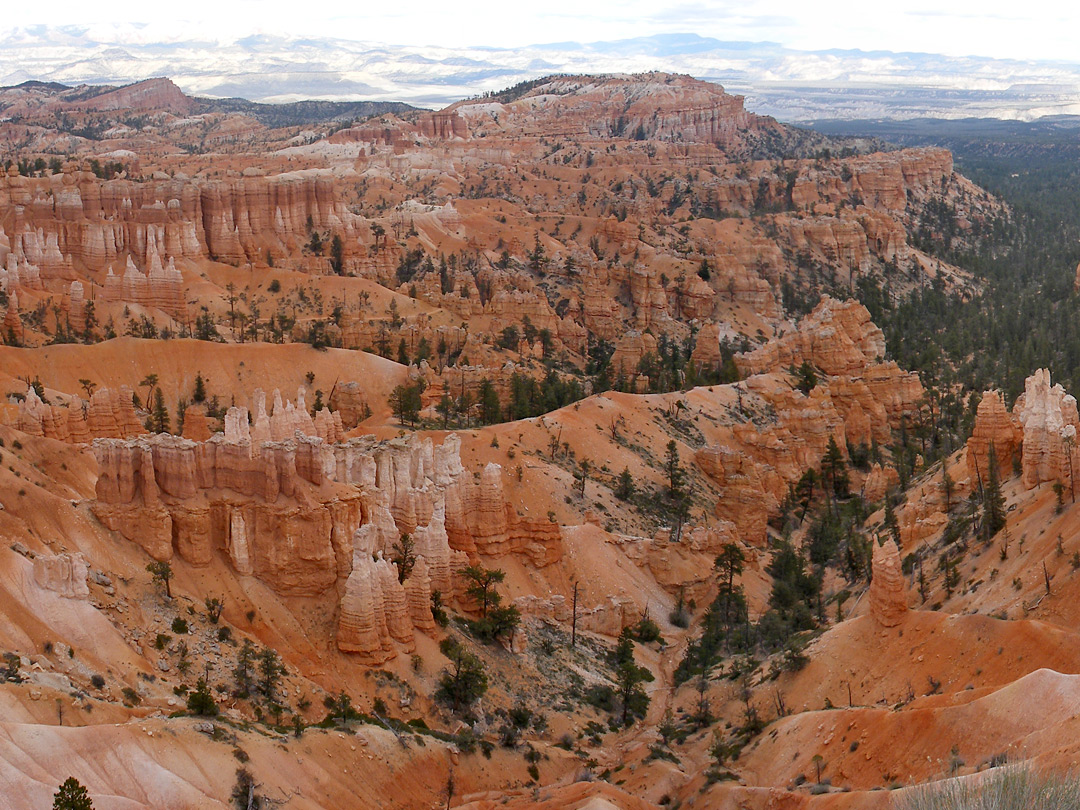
(656, 106)
(836, 338)
(1049, 420)
(109, 414)
(161, 287)
(879, 482)
(630, 350)
(145, 96)
(443, 126)
(304, 511)
(706, 353)
(94, 223)
(13, 328)
(994, 425)
(888, 596)
(744, 500)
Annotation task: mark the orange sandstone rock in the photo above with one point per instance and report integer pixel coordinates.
(888, 596)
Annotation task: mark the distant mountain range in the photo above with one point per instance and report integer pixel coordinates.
(792, 85)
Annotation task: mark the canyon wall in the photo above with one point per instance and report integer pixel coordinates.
(282, 497)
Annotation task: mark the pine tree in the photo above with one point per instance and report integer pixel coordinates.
(624, 491)
(161, 571)
(674, 471)
(948, 486)
(159, 415)
(465, 681)
(200, 701)
(891, 523)
(72, 796)
(482, 583)
(832, 463)
(629, 678)
(993, 499)
(199, 394)
(404, 556)
(490, 412)
(270, 672)
(244, 673)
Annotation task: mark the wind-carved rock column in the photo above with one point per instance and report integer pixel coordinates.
(1050, 420)
(418, 591)
(362, 626)
(994, 426)
(888, 596)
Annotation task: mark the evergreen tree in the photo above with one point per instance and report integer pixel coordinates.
(270, 672)
(72, 796)
(675, 472)
(948, 486)
(445, 409)
(891, 523)
(629, 677)
(729, 564)
(161, 571)
(159, 415)
(624, 490)
(464, 681)
(337, 254)
(200, 701)
(482, 582)
(832, 464)
(199, 394)
(806, 378)
(244, 673)
(489, 403)
(404, 556)
(993, 499)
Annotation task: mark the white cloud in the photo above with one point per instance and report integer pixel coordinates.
(1035, 29)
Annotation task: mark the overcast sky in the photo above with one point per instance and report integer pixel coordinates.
(1023, 30)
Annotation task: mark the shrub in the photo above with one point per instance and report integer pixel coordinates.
(180, 626)
(647, 630)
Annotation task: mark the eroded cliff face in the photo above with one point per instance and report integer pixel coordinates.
(1042, 428)
(994, 428)
(656, 106)
(283, 497)
(108, 414)
(858, 399)
(74, 222)
(888, 596)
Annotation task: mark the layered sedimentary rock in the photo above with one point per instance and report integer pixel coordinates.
(879, 482)
(859, 400)
(631, 349)
(656, 106)
(75, 218)
(744, 499)
(162, 286)
(888, 596)
(109, 414)
(1048, 417)
(303, 511)
(837, 338)
(997, 428)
